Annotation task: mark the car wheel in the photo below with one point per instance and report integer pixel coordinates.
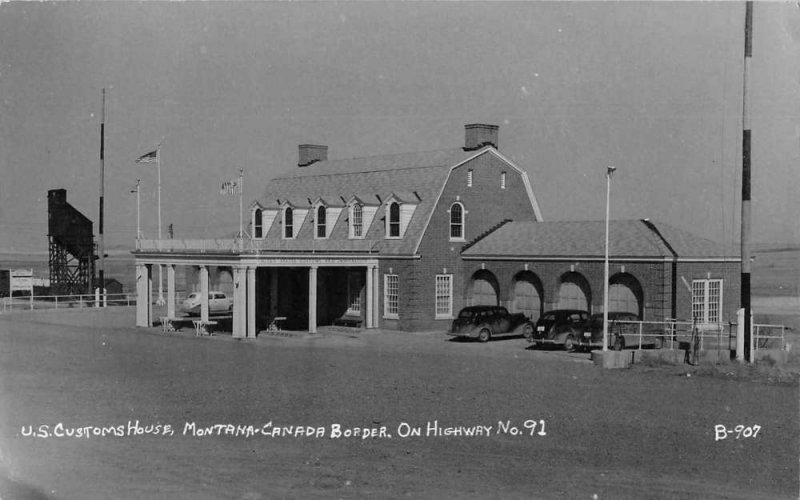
(619, 343)
(527, 331)
(484, 335)
(569, 343)
(659, 343)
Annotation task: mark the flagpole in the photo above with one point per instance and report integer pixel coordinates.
(138, 218)
(160, 300)
(241, 189)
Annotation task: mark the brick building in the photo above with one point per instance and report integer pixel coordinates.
(404, 241)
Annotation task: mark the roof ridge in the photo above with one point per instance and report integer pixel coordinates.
(358, 172)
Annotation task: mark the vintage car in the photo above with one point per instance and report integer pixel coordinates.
(623, 328)
(560, 327)
(485, 322)
(218, 302)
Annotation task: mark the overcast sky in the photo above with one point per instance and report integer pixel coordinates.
(653, 88)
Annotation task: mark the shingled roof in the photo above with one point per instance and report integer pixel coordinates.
(586, 239)
(418, 176)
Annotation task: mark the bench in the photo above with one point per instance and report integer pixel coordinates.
(349, 320)
(168, 323)
(275, 324)
(201, 327)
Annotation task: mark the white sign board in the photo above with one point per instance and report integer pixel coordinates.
(21, 280)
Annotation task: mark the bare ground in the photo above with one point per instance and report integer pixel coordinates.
(647, 432)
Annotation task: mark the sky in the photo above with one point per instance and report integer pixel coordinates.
(653, 88)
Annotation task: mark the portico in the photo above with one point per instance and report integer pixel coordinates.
(267, 286)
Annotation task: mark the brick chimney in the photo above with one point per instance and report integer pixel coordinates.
(311, 153)
(478, 135)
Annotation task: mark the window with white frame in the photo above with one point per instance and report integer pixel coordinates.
(502, 180)
(707, 300)
(393, 220)
(322, 214)
(258, 223)
(288, 223)
(390, 296)
(444, 296)
(356, 221)
(456, 221)
(469, 178)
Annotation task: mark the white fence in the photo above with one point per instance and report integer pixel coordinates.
(671, 334)
(37, 302)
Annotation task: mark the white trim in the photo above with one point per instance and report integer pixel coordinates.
(449, 280)
(386, 313)
(463, 224)
(491, 150)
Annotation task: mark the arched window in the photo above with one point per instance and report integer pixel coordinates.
(258, 224)
(357, 221)
(288, 223)
(321, 225)
(456, 221)
(394, 220)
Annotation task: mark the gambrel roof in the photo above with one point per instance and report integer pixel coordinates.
(635, 239)
(414, 178)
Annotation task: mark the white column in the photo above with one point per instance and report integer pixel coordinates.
(142, 295)
(171, 290)
(204, 293)
(370, 302)
(312, 299)
(251, 302)
(239, 302)
(376, 298)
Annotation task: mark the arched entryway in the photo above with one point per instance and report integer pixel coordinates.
(574, 292)
(625, 294)
(527, 295)
(483, 289)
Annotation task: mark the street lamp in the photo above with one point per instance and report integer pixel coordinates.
(609, 173)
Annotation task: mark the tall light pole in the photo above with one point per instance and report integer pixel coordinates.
(609, 173)
(138, 218)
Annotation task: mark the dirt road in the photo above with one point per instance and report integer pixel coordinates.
(540, 424)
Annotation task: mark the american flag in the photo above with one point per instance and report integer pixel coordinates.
(230, 187)
(150, 157)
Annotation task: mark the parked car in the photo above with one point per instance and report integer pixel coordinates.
(561, 327)
(218, 302)
(485, 322)
(623, 329)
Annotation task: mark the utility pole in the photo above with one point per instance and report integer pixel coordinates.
(100, 245)
(746, 137)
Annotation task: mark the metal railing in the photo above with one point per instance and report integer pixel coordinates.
(671, 333)
(39, 302)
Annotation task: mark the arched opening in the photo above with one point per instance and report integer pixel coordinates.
(484, 288)
(456, 221)
(625, 294)
(258, 225)
(574, 292)
(527, 295)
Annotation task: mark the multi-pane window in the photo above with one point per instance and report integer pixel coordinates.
(502, 180)
(390, 295)
(258, 224)
(707, 301)
(456, 221)
(322, 213)
(394, 220)
(357, 221)
(354, 287)
(288, 223)
(444, 296)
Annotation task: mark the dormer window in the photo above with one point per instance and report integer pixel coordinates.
(258, 224)
(457, 222)
(393, 220)
(357, 221)
(288, 223)
(322, 213)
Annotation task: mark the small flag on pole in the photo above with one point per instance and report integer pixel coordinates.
(150, 157)
(231, 187)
